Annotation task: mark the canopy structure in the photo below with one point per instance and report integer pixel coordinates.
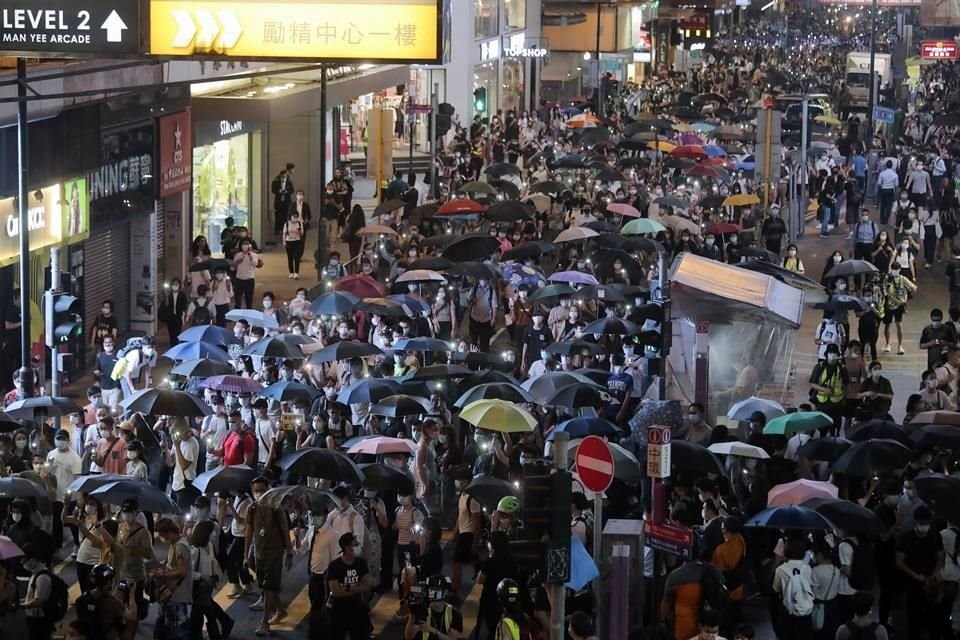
(704, 289)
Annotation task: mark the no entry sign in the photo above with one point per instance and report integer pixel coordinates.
(595, 464)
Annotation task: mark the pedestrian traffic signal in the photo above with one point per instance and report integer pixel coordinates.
(480, 100)
(63, 318)
(536, 503)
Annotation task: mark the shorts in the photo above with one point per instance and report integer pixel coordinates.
(185, 497)
(269, 569)
(891, 315)
(463, 551)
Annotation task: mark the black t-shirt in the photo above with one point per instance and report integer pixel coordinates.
(348, 575)
(920, 553)
(105, 363)
(536, 340)
(105, 326)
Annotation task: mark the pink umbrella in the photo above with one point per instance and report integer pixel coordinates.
(9, 549)
(690, 138)
(623, 209)
(380, 445)
(800, 491)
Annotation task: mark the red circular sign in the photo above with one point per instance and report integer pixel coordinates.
(595, 464)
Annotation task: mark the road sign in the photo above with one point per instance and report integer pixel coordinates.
(668, 538)
(344, 30)
(595, 464)
(658, 451)
(41, 28)
(882, 114)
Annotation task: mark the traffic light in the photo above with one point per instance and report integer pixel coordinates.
(63, 318)
(444, 118)
(480, 100)
(536, 504)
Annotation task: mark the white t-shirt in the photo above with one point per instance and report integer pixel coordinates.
(214, 430)
(266, 431)
(242, 507)
(190, 450)
(845, 551)
(136, 361)
(65, 466)
(781, 578)
(826, 581)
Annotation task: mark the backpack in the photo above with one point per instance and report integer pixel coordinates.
(862, 570)
(201, 314)
(120, 367)
(868, 632)
(798, 594)
(55, 608)
(714, 595)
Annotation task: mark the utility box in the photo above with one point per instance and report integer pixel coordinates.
(621, 579)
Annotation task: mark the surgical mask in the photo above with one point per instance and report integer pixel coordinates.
(904, 245)
(837, 259)
(792, 252)
(868, 299)
(904, 197)
(831, 357)
(267, 304)
(357, 550)
(923, 529)
(404, 500)
(875, 374)
(238, 332)
(841, 286)
(369, 493)
(544, 355)
(16, 517)
(128, 517)
(21, 444)
(709, 242)
(334, 262)
(131, 455)
(90, 509)
(38, 468)
(482, 282)
(61, 443)
(318, 520)
(935, 324)
(106, 311)
(694, 418)
(912, 216)
(443, 439)
(894, 272)
(330, 393)
(883, 237)
(367, 269)
(149, 351)
(733, 240)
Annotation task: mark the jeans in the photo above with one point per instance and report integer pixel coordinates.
(126, 388)
(236, 573)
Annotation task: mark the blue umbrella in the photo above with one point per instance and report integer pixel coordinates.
(416, 305)
(583, 569)
(207, 333)
(746, 166)
(290, 391)
(517, 274)
(790, 516)
(197, 350)
(714, 151)
(334, 303)
(586, 426)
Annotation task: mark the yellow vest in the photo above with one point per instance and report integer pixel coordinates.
(447, 619)
(512, 626)
(834, 382)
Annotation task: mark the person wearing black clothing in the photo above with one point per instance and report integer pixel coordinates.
(173, 308)
(876, 393)
(349, 581)
(11, 336)
(935, 337)
(868, 325)
(282, 190)
(732, 250)
(536, 338)
(773, 229)
(103, 366)
(920, 558)
(498, 566)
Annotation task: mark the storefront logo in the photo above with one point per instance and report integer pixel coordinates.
(228, 128)
(43, 223)
(698, 46)
(121, 177)
(176, 154)
(489, 50)
(35, 217)
(939, 50)
(526, 53)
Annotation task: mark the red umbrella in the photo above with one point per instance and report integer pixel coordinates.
(623, 209)
(705, 171)
(723, 227)
(691, 151)
(460, 206)
(361, 285)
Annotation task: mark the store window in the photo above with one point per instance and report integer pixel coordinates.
(221, 187)
(513, 85)
(486, 97)
(485, 17)
(515, 14)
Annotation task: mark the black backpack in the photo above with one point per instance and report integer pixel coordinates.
(55, 608)
(863, 572)
(855, 632)
(713, 593)
(201, 314)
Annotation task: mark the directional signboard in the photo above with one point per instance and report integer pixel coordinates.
(668, 538)
(371, 30)
(38, 28)
(658, 451)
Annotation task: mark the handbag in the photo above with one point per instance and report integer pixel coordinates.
(159, 589)
(819, 606)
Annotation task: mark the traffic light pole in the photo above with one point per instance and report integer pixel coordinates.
(435, 113)
(558, 609)
(25, 375)
(49, 312)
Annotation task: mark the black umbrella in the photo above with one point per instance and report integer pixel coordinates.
(473, 269)
(851, 268)
(344, 350)
(488, 376)
(550, 187)
(368, 390)
(48, 406)
(500, 169)
(865, 459)
(430, 263)
(572, 161)
(597, 376)
(550, 292)
(202, 368)
(280, 346)
(940, 493)
(944, 436)
(214, 264)
(879, 429)
(577, 396)
(314, 462)
(760, 254)
(712, 202)
(498, 390)
(225, 478)
(16, 487)
(424, 211)
(471, 249)
(509, 211)
(612, 326)
(379, 476)
(637, 142)
(148, 497)
(602, 227)
(86, 484)
(694, 458)
(546, 386)
(401, 405)
(8, 423)
(166, 402)
(505, 187)
(438, 372)
(678, 163)
(334, 303)
(382, 307)
(285, 391)
(826, 449)
(489, 491)
(422, 344)
(293, 495)
(849, 516)
(389, 206)
(522, 252)
(609, 175)
(575, 348)
(778, 272)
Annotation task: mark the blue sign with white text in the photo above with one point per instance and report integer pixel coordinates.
(882, 114)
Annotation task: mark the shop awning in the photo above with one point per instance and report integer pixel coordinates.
(703, 289)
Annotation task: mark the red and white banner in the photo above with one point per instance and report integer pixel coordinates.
(939, 50)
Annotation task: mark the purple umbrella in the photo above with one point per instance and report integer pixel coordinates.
(232, 384)
(9, 549)
(573, 277)
(690, 138)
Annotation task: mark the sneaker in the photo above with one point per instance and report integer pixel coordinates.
(226, 629)
(258, 605)
(290, 277)
(263, 630)
(236, 591)
(249, 590)
(824, 235)
(886, 349)
(900, 350)
(278, 616)
(296, 276)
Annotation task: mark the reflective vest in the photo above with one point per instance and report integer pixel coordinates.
(833, 382)
(447, 619)
(514, 628)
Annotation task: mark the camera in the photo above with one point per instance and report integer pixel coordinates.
(124, 585)
(418, 600)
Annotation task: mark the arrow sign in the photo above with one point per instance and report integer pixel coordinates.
(209, 29)
(231, 29)
(185, 29)
(114, 26)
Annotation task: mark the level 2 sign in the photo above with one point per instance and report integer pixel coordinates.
(80, 28)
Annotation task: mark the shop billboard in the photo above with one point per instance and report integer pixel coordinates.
(939, 50)
(75, 208)
(43, 212)
(308, 30)
(79, 28)
(176, 154)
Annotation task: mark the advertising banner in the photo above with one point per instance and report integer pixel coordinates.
(176, 154)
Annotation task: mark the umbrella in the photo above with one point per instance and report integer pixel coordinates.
(865, 459)
(49, 406)
(232, 384)
(741, 200)
(626, 467)
(285, 346)
(940, 493)
(474, 248)
(623, 209)
(661, 145)
(225, 478)
(428, 210)
(383, 307)
(612, 326)
(400, 406)
(422, 344)
(575, 348)
(477, 187)
(828, 120)
(500, 169)
(202, 368)
(545, 386)
(362, 286)
(849, 516)
(166, 402)
(344, 350)
(930, 417)
(548, 187)
(738, 449)
(380, 476)
(254, 318)
(317, 500)
(8, 423)
(879, 429)
(215, 264)
(389, 206)
(937, 435)
(509, 211)
(413, 303)
(433, 263)
(551, 291)
(695, 458)
(209, 333)
(842, 302)
(498, 415)
(826, 449)
(745, 408)
(575, 234)
(16, 487)
(460, 207)
(609, 175)
(86, 484)
(314, 462)
(791, 423)
(574, 396)
(582, 120)
(195, 351)
(333, 303)
(489, 491)
(9, 549)
(523, 251)
(499, 390)
(540, 201)
(379, 445)
(290, 391)
(800, 491)
(573, 277)
(851, 268)
(586, 426)
(438, 372)
(723, 227)
(376, 230)
(672, 201)
(641, 226)
(689, 151)
(790, 517)
(148, 497)
(473, 269)
(368, 390)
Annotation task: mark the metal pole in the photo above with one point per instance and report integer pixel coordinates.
(603, 611)
(767, 160)
(804, 171)
(25, 373)
(666, 327)
(413, 132)
(871, 84)
(599, 67)
(54, 351)
(321, 227)
(558, 612)
(435, 111)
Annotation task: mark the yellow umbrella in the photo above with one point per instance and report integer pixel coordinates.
(682, 127)
(376, 229)
(540, 201)
(741, 200)
(828, 120)
(661, 145)
(498, 415)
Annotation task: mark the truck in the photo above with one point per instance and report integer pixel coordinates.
(858, 77)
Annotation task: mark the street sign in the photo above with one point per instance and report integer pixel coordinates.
(41, 28)
(309, 30)
(658, 451)
(668, 538)
(882, 114)
(939, 50)
(595, 464)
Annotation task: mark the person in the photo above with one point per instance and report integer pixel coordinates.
(920, 558)
(773, 230)
(202, 311)
(320, 543)
(876, 393)
(792, 581)
(581, 627)
(483, 304)
(282, 189)
(176, 591)
(104, 364)
(730, 558)
(828, 380)
(301, 208)
(792, 262)
(862, 625)
(498, 566)
(138, 361)
(246, 263)
(896, 289)
(186, 451)
(355, 223)
(172, 308)
(709, 626)
(103, 614)
(137, 542)
(206, 575)
(467, 529)
(887, 183)
(268, 533)
(514, 623)
(239, 445)
(825, 581)
(110, 454)
(684, 592)
(441, 620)
(65, 465)
(39, 592)
(868, 324)
(935, 337)
(105, 324)
(348, 579)
(293, 239)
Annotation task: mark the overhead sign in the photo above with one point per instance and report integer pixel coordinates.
(869, 3)
(939, 50)
(122, 176)
(78, 28)
(668, 538)
(176, 154)
(374, 30)
(595, 464)
(883, 114)
(658, 451)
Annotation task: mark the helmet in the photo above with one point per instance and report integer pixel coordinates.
(437, 587)
(508, 592)
(102, 574)
(508, 504)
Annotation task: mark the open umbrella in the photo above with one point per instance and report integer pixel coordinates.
(15, 487)
(551, 291)
(376, 230)
(285, 391)
(626, 467)
(334, 303)
(741, 200)
(842, 302)
(745, 408)
(694, 458)
(460, 207)
(575, 348)
(438, 372)
(498, 415)
(379, 476)
(214, 264)
(489, 491)
(523, 251)
(225, 478)
(282, 346)
(501, 169)
(344, 350)
(253, 317)
(623, 209)
(383, 307)
(209, 333)
(413, 303)
(849, 516)
(148, 497)
(86, 484)
(612, 326)
(548, 186)
(865, 459)
(575, 234)
(361, 286)
(368, 390)
(422, 344)
(826, 449)
(166, 402)
(9, 549)
(880, 429)
(316, 500)
(232, 384)
(575, 396)
(543, 387)
(642, 226)
(477, 187)
(944, 436)
(433, 263)
(933, 417)
(791, 423)
(509, 211)
(314, 462)
(389, 206)
(790, 517)
(49, 406)
(738, 449)
(202, 368)
(586, 426)
(474, 248)
(8, 423)
(401, 405)
(196, 350)
(380, 445)
(499, 390)
(800, 491)
(851, 268)
(573, 277)
(940, 493)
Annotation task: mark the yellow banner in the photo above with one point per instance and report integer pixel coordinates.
(364, 30)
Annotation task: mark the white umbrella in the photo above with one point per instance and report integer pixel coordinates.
(738, 449)
(574, 234)
(745, 408)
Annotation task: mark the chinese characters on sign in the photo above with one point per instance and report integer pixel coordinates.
(303, 33)
(176, 154)
(126, 175)
(939, 50)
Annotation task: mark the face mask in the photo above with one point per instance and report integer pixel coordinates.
(923, 529)
(16, 517)
(831, 357)
(894, 273)
(904, 245)
(21, 444)
(792, 253)
(105, 311)
(90, 509)
(709, 242)
(904, 197)
(357, 550)
(257, 495)
(37, 468)
(482, 282)
(62, 444)
(868, 299)
(107, 348)
(841, 286)
(318, 520)
(931, 384)
(221, 276)
(149, 351)
(685, 238)
(935, 324)
(733, 239)
(836, 259)
(200, 514)
(694, 418)
(404, 500)
(369, 493)
(267, 304)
